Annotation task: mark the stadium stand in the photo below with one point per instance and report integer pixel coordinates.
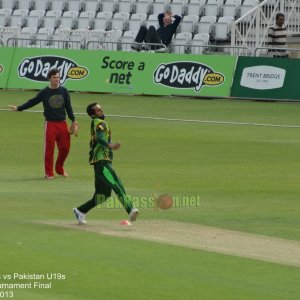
(222, 28)
(25, 4)
(135, 21)
(205, 24)
(44, 36)
(127, 39)
(102, 20)
(75, 5)
(125, 6)
(201, 18)
(180, 43)
(108, 5)
(119, 21)
(198, 43)
(84, 21)
(41, 4)
(152, 20)
(188, 23)
(91, 5)
(142, 6)
(159, 6)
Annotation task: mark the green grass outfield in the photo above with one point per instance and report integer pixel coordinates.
(245, 175)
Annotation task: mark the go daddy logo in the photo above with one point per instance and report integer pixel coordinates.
(37, 68)
(184, 75)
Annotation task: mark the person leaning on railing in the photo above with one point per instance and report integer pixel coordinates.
(277, 35)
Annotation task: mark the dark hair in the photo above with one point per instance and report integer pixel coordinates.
(90, 108)
(52, 72)
(278, 15)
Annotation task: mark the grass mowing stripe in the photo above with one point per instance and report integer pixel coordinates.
(185, 120)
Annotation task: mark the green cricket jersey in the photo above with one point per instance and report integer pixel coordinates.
(100, 138)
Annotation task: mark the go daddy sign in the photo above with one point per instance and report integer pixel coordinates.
(124, 72)
(37, 68)
(187, 75)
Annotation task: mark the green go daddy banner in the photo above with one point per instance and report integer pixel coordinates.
(166, 74)
(266, 78)
(124, 72)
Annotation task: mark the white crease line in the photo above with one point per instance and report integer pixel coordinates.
(185, 120)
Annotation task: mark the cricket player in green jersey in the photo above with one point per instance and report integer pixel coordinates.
(100, 156)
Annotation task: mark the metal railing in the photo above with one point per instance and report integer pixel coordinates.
(204, 49)
(267, 51)
(251, 29)
(43, 43)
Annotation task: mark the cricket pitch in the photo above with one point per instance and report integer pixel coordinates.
(201, 237)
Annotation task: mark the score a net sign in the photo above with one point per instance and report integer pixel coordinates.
(187, 75)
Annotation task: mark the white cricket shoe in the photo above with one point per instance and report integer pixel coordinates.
(133, 214)
(79, 216)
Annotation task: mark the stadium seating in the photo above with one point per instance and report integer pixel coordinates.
(159, 6)
(77, 38)
(142, 6)
(125, 6)
(27, 36)
(3, 20)
(177, 7)
(11, 4)
(222, 29)
(188, 23)
(108, 5)
(25, 4)
(41, 4)
(18, 18)
(102, 20)
(8, 34)
(33, 21)
(152, 20)
(127, 40)
(198, 43)
(95, 39)
(134, 23)
(118, 22)
(43, 37)
(75, 5)
(60, 38)
(58, 5)
(230, 8)
(84, 21)
(195, 7)
(6, 11)
(82, 16)
(211, 8)
(180, 42)
(205, 24)
(67, 20)
(111, 40)
(51, 18)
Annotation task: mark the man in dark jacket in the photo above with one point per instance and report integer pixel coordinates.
(163, 35)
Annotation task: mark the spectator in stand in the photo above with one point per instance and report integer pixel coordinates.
(277, 35)
(163, 35)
